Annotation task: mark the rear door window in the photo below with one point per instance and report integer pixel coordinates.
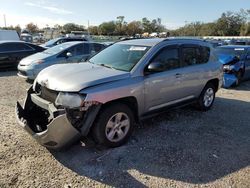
(79, 49)
(86, 48)
(14, 47)
(96, 48)
(22, 47)
(6, 48)
(194, 55)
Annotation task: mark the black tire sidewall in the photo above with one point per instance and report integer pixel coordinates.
(99, 127)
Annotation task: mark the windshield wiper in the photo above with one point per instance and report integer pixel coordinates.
(105, 65)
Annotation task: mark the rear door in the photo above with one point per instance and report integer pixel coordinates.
(6, 60)
(23, 50)
(195, 68)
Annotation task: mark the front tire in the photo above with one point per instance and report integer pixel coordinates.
(207, 97)
(239, 76)
(113, 125)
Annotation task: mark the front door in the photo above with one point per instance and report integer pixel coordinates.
(164, 88)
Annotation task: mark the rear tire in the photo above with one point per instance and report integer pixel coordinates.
(113, 125)
(206, 98)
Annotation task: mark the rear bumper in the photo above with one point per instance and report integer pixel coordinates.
(57, 134)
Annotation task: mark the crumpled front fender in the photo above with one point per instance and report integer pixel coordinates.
(229, 80)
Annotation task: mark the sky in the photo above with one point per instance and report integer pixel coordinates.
(174, 13)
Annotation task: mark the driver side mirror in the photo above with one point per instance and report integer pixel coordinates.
(155, 67)
(68, 54)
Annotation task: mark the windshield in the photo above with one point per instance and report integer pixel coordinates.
(51, 42)
(239, 52)
(58, 48)
(120, 56)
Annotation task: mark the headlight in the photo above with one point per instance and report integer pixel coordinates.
(70, 100)
(228, 67)
(39, 61)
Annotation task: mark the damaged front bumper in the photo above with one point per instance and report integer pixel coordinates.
(229, 80)
(52, 127)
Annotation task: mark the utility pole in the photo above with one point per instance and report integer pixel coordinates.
(88, 27)
(4, 18)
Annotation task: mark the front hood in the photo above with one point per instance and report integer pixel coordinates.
(77, 76)
(227, 59)
(28, 60)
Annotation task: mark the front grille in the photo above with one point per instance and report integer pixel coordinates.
(45, 93)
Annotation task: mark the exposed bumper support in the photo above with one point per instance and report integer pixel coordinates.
(58, 132)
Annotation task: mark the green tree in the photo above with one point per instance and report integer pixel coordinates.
(119, 25)
(152, 26)
(207, 29)
(59, 27)
(73, 27)
(107, 28)
(134, 27)
(230, 23)
(18, 28)
(146, 25)
(32, 28)
(93, 30)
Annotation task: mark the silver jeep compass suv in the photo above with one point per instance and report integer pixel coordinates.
(118, 87)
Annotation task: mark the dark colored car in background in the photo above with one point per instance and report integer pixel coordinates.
(236, 63)
(60, 40)
(11, 52)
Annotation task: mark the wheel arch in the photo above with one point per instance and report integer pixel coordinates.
(131, 102)
(215, 82)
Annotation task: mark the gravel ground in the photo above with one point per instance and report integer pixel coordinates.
(180, 148)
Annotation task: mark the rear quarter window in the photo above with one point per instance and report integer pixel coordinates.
(205, 54)
(191, 56)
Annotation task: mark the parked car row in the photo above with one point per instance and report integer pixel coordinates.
(69, 52)
(118, 87)
(220, 42)
(61, 40)
(30, 59)
(236, 64)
